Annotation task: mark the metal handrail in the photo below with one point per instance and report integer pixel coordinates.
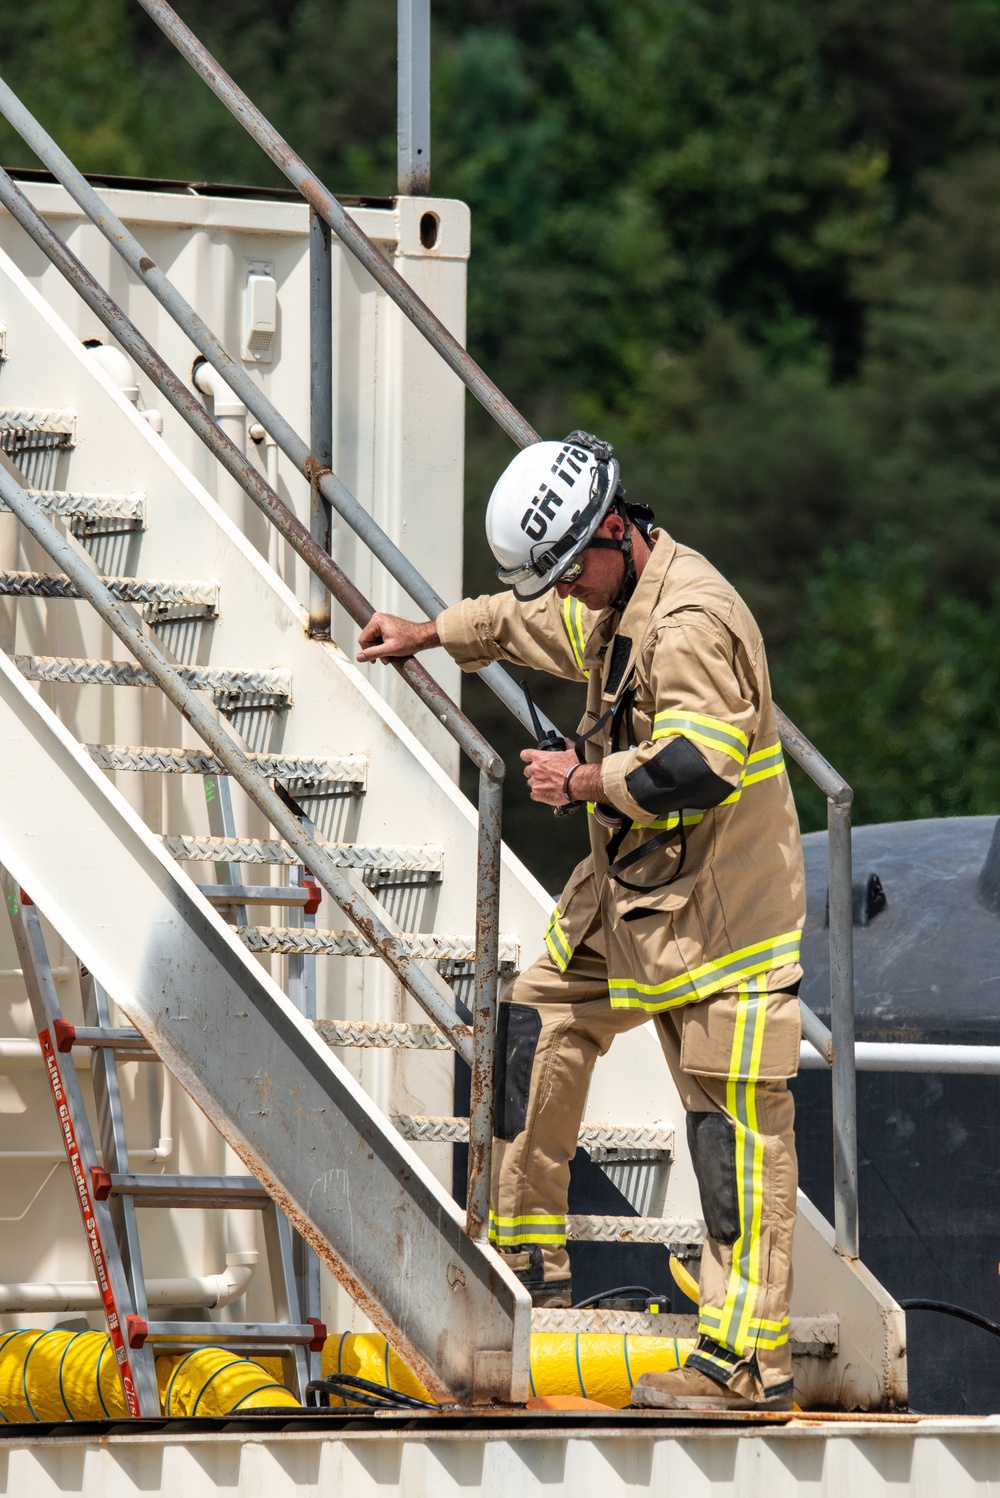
(346, 230)
(417, 977)
(837, 1045)
(313, 464)
(413, 974)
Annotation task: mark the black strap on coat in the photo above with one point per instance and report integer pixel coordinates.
(620, 712)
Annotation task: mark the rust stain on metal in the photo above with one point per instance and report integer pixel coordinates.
(315, 471)
(145, 264)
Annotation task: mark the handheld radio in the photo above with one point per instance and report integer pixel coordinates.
(550, 742)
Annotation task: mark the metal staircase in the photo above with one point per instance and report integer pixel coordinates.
(299, 764)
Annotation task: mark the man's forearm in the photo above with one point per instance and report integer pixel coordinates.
(585, 783)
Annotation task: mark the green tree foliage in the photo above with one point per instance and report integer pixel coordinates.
(755, 242)
(895, 679)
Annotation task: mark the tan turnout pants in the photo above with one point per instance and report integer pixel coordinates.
(729, 1056)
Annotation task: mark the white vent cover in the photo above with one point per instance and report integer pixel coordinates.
(260, 314)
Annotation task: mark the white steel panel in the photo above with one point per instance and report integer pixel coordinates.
(922, 1458)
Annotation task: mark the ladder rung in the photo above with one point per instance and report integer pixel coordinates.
(346, 773)
(383, 1034)
(67, 1035)
(90, 512)
(300, 941)
(386, 857)
(225, 684)
(668, 1230)
(237, 1336)
(181, 1191)
(657, 1140)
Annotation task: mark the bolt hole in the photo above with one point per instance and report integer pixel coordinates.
(429, 225)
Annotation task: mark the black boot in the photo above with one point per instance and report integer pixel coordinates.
(529, 1266)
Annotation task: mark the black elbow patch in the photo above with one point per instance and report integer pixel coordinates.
(677, 776)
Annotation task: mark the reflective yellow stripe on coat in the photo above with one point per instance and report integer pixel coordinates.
(713, 733)
(573, 620)
(724, 972)
(555, 939)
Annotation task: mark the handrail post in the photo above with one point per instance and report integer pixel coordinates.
(845, 1129)
(320, 407)
(413, 97)
(839, 798)
(484, 1002)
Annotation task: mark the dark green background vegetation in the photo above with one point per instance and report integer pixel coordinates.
(754, 242)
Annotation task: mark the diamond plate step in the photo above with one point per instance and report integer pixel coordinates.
(160, 600)
(384, 1034)
(810, 1336)
(91, 514)
(684, 1232)
(428, 861)
(656, 1140)
(344, 774)
(232, 690)
(305, 942)
(30, 428)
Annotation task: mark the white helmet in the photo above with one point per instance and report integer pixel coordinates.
(545, 508)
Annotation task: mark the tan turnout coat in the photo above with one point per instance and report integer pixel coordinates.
(689, 652)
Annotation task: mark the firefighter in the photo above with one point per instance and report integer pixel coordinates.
(689, 908)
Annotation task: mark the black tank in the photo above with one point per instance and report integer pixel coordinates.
(927, 969)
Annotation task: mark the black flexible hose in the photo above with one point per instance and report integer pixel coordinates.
(947, 1309)
(584, 1305)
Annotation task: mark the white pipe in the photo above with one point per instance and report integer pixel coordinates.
(901, 1056)
(207, 1291)
(165, 1148)
(259, 434)
(58, 973)
(231, 414)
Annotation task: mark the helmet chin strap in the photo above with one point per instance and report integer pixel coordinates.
(605, 543)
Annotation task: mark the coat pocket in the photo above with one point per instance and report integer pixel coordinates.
(727, 1035)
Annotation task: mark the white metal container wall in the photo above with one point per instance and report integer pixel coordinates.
(924, 1459)
(399, 412)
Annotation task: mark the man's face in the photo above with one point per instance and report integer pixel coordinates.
(600, 582)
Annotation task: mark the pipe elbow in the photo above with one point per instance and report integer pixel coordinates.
(208, 380)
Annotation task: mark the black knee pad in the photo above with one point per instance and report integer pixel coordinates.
(712, 1141)
(518, 1029)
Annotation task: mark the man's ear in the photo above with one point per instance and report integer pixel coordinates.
(612, 526)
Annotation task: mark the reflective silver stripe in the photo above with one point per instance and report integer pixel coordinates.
(712, 732)
(725, 972)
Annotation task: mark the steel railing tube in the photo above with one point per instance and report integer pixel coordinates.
(315, 465)
(320, 406)
(845, 1131)
(422, 984)
(484, 1003)
(837, 1044)
(254, 484)
(346, 230)
(815, 1032)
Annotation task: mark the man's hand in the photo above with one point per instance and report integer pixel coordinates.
(545, 772)
(387, 637)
